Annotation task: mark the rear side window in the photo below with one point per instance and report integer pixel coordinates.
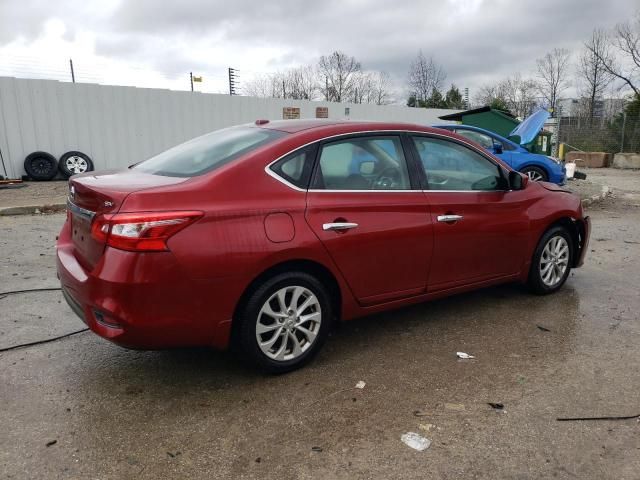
(296, 167)
(367, 163)
(208, 152)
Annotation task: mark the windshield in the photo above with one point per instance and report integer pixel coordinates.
(208, 152)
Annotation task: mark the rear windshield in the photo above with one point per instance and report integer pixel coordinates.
(208, 152)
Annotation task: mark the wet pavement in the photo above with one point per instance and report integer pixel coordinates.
(116, 413)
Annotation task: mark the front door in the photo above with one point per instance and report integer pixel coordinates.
(480, 227)
(373, 221)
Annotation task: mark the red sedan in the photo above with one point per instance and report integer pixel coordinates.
(263, 235)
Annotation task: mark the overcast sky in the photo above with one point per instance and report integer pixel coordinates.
(156, 43)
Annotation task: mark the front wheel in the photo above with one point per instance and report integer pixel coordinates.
(535, 174)
(284, 322)
(551, 262)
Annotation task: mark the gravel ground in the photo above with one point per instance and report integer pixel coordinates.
(81, 407)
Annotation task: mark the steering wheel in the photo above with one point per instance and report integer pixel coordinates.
(387, 179)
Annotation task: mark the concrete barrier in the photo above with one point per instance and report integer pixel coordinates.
(589, 159)
(626, 160)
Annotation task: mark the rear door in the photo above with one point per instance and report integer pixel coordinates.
(480, 228)
(371, 216)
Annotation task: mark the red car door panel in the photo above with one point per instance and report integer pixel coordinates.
(488, 241)
(386, 256)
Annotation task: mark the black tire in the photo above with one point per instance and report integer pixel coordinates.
(248, 318)
(535, 172)
(41, 166)
(74, 163)
(535, 282)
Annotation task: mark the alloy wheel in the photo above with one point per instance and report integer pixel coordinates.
(288, 323)
(76, 164)
(534, 176)
(554, 261)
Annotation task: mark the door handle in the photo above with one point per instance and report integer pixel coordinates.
(449, 218)
(338, 226)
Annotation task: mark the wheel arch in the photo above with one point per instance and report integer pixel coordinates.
(576, 229)
(312, 267)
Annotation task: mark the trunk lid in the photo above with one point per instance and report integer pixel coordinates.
(92, 195)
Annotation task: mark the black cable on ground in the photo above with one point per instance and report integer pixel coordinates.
(14, 292)
(40, 342)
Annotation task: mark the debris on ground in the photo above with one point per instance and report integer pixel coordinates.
(426, 426)
(52, 442)
(544, 329)
(360, 385)
(496, 406)
(421, 413)
(316, 449)
(464, 356)
(415, 441)
(458, 407)
(576, 419)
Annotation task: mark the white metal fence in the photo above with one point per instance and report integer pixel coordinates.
(117, 126)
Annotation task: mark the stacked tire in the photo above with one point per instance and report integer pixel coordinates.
(42, 166)
(73, 163)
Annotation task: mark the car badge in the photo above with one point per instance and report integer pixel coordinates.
(72, 192)
(108, 204)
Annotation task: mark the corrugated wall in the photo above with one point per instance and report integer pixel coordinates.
(118, 126)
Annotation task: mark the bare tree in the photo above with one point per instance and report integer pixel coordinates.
(552, 72)
(424, 76)
(301, 83)
(515, 94)
(338, 73)
(594, 76)
(519, 94)
(625, 40)
(381, 88)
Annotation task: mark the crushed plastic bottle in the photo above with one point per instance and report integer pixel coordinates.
(415, 441)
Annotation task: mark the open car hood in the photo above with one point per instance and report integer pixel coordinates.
(530, 127)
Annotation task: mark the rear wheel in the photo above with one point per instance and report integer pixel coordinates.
(284, 322)
(551, 261)
(535, 174)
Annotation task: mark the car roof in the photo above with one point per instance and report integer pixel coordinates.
(342, 126)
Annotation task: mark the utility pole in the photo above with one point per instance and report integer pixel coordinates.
(73, 76)
(233, 75)
(624, 125)
(191, 78)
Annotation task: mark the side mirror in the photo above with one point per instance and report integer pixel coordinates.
(517, 181)
(497, 148)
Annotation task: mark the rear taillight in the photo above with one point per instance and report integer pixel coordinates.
(141, 232)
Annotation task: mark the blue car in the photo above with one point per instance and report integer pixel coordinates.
(538, 167)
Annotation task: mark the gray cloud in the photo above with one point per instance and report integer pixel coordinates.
(476, 41)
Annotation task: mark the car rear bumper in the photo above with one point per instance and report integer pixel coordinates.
(144, 301)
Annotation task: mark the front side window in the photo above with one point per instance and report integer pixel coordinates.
(366, 163)
(208, 152)
(452, 166)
